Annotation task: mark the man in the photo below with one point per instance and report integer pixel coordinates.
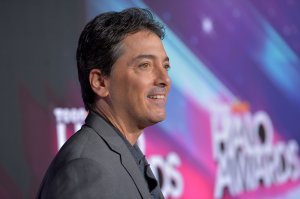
(123, 72)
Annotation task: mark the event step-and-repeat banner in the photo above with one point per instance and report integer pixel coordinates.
(232, 128)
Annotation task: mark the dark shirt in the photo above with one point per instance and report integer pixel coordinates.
(144, 167)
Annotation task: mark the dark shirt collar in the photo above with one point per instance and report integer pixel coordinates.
(141, 161)
(134, 149)
(143, 166)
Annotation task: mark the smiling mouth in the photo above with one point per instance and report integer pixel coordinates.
(158, 99)
(156, 96)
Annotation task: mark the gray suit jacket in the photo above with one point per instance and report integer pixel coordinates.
(94, 163)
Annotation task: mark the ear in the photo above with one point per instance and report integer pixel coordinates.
(98, 83)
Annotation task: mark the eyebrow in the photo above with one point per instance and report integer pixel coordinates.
(147, 56)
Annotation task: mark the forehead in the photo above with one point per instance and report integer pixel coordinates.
(145, 42)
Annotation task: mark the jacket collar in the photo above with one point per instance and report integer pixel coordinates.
(109, 134)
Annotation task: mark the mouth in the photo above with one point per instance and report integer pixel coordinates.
(159, 96)
(157, 99)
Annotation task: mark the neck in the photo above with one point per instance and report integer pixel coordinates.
(129, 131)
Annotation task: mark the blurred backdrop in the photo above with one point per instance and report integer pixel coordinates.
(232, 127)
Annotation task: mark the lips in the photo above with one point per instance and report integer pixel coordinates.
(159, 100)
(158, 96)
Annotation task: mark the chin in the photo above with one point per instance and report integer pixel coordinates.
(158, 118)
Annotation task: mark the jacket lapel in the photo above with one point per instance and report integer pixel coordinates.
(107, 132)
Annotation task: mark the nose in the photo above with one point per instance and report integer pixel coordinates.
(162, 78)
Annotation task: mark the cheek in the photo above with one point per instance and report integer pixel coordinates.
(137, 93)
(138, 86)
(118, 90)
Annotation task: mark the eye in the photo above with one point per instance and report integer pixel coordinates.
(167, 67)
(144, 65)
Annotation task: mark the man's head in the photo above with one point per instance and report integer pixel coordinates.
(100, 42)
(123, 67)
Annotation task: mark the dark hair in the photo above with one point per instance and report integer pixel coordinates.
(99, 43)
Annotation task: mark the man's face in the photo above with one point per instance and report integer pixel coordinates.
(139, 82)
